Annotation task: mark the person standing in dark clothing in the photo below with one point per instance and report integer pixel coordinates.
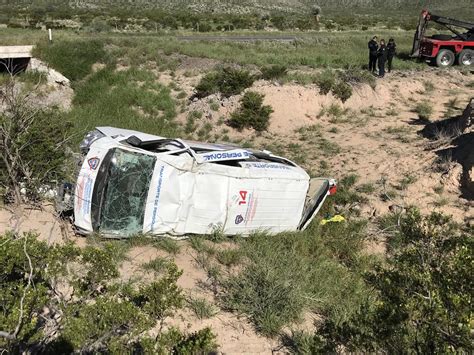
(373, 47)
(382, 58)
(391, 51)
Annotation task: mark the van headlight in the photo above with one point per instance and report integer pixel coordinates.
(90, 138)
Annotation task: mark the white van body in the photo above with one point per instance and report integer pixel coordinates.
(131, 182)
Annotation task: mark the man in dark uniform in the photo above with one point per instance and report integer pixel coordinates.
(373, 47)
(391, 51)
(382, 58)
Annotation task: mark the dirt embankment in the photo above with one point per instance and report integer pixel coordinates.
(376, 133)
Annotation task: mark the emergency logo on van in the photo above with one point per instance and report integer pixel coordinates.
(93, 163)
(239, 219)
(243, 197)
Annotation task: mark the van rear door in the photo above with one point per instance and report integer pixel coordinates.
(318, 190)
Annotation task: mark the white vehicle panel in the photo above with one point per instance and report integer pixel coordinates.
(189, 195)
(265, 204)
(85, 183)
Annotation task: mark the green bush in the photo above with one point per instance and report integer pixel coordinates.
(228, 81)
(100, 313)
(288, 274)
(33, 145)
(354, 76)
(208, 85)
(424, 290)
(98, 25)
(424, 110)
(201, 308)
(28, 286)
(203, 27)
(342, 91)
(326, 81)
(252, 113)
(174, 341)
(274, 72)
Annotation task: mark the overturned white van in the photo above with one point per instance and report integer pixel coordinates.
(131, 182)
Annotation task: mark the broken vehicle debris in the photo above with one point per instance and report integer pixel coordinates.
(132, 182)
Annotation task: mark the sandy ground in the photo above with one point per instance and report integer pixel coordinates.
(379, 135)
(235, 334)
(379, 146)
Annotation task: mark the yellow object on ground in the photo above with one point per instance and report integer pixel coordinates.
(336, 219)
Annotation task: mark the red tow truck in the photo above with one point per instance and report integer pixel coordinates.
(442, 49)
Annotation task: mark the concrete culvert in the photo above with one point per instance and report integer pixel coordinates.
(14, 59)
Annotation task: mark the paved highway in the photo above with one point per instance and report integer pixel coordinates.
(238, 38)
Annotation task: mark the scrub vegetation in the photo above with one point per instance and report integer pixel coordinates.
(65, 299)
(251, 113)
(227, 81)
(414, 296)
(231, 15)
(33, 144)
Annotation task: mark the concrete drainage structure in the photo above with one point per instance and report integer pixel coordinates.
(14, 59)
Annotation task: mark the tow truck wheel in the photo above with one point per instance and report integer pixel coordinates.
(445, 58)
(466, 57)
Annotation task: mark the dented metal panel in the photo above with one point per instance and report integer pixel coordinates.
(123, 190)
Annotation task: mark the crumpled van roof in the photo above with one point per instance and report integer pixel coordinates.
(125, 133)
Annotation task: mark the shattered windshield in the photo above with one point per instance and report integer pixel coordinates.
(126, 190)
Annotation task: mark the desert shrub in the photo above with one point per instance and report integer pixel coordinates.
(334, 110)
(424, 294)
(169, 245)
(429, 86)
(201, 308)
(174, 341)
(340, 83)
(424, 110)
(73, 59)
(229, 257)
(29, 270)
(354, 76)
(157, 265)
(203, 27)
(286, 274)
(208, 85)
(98, 25)
(85, 324)
(274, 72)
(251, 113)
(99, 313)
(342, 91)
(326, 81)
(33, 144)
(228, 81)
(214, 106)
